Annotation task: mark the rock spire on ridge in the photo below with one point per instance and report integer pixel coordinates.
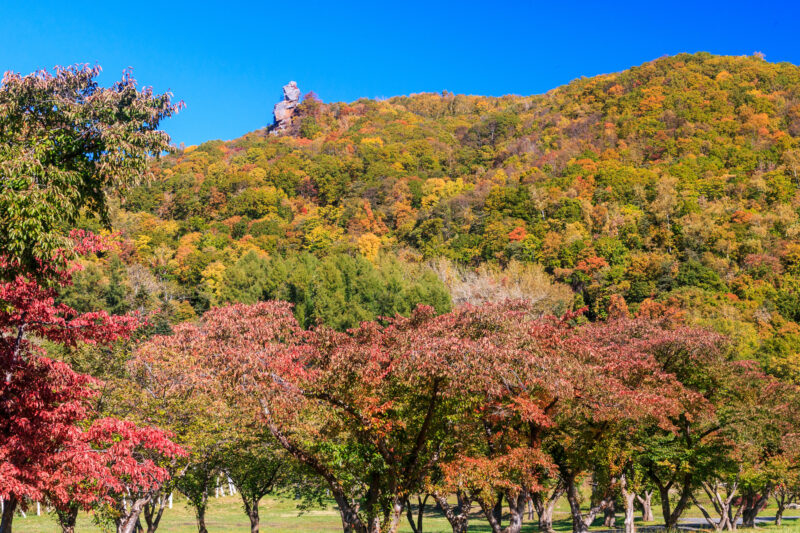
(284, 110)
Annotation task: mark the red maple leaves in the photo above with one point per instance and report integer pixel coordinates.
(50, 448)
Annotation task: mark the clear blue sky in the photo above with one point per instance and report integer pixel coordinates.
(228, 60)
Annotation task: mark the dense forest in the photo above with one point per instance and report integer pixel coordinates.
(674, 182)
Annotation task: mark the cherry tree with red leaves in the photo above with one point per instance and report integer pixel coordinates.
(549, 386)
(759, 420)
(172, 388)
(678, 455)
(118, 464)
(367, 410)
(46, 450)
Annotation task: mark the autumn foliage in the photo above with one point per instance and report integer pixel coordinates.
(54, 448)
(472, 400)
(493, 302)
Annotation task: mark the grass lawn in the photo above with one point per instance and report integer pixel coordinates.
(280, 515)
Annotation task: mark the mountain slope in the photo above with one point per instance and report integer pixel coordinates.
(675, 182)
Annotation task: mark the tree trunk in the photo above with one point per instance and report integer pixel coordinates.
(666, 511)
(200, 514)
(396, 516)
(9, 506)
(670, 515)
(721, 501)
(733, 520)
(351, 522)
(752, 504)
(546, 516)
(716, 524)
(647, 506)
(458, 517)
(629, 497)
(251, 508)
(67, 519)
(374, 525)
(545, 508)
(779, 514)
(780, 501)
(749, 517)
(537, 501)
(416, 525)
(630, 518)
(129, 522)
(579, 524)
(497, 512)
(254, 519)
(516, 507)
(154, 510)
(749, 513)
(610, 515)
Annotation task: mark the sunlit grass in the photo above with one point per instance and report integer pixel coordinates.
(281, 515)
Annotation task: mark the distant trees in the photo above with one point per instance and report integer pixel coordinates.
(339, 290)
(611, 184)
(491, 284)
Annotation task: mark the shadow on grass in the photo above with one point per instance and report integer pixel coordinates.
(478, 523)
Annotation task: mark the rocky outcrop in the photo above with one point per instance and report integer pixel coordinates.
(284, 110)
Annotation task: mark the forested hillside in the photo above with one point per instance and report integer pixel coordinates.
(674, 182)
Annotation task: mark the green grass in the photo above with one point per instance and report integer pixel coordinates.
(281, 515)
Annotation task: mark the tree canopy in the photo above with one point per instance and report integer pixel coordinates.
(65, 144)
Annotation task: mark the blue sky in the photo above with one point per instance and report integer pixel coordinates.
(228, 60)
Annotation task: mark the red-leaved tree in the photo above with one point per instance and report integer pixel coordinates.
(370, 411)
(553, 391)
(114, 463)
(678, 455)
(49, 449)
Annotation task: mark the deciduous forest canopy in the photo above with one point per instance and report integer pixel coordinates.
(675, 181)
(483, 301)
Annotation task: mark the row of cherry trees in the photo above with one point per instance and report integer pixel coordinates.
(493, 404)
